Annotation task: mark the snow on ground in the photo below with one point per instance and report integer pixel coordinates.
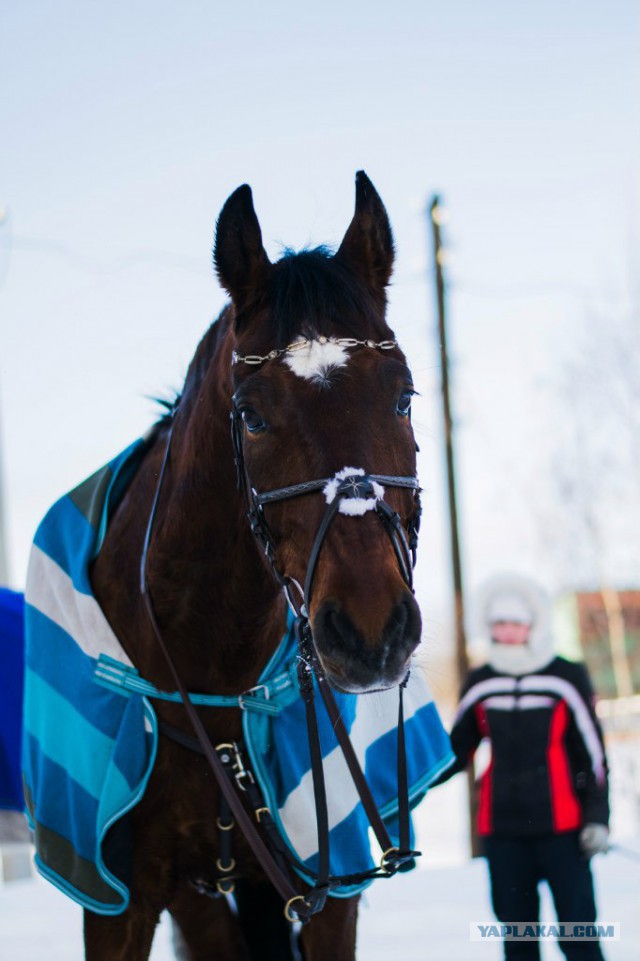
(422, 916)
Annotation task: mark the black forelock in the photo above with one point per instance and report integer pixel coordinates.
(310, 293)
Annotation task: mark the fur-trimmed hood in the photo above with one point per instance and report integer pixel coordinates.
(514, 597)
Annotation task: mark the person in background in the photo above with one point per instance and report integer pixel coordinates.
(543, 807)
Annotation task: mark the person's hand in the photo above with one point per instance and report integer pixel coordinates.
(594, 839)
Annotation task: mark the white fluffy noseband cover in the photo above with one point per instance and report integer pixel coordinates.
(352, 506)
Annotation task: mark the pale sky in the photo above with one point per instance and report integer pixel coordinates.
(125, 126)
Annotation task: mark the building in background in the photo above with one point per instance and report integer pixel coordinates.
(603, 627)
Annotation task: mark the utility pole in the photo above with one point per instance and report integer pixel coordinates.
(462, 660)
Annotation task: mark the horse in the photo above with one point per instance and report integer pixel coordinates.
(303, 354)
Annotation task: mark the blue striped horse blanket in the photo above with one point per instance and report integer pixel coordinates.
(90, 730)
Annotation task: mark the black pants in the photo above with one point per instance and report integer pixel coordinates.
(518, 864)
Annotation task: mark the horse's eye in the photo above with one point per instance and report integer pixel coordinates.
(252, 421)
(404, 403)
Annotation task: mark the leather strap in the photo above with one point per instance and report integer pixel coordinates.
(308, 487)
(404, 821)
(305, 678)
(280, 881)
(405, 548)
(360, 782)
(351, 760)
(262, 814)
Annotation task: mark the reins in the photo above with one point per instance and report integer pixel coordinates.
(278, 878)
(366, 493)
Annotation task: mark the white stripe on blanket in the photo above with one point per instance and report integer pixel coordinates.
(50, 590)
(376, 715)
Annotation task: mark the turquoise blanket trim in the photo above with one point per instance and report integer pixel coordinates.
(268, 697)
(105, 823)
(65, 886)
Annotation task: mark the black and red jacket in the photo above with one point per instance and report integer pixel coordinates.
(548, 770)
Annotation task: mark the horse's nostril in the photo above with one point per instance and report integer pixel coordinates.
(339, 630)
(353, 663)
(396, 630)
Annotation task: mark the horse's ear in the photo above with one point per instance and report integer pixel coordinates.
(240, 259)
(368, 243)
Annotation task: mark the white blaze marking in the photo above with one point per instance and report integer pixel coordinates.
(316, 359)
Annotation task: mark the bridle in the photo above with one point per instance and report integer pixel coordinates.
(350, 491)
(349, 484)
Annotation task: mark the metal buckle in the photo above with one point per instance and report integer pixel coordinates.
(241, 773)
(289, 915)
(240, 769)
(225, 827)
(226, 746)
(241, 776)
(297, 608)
(252, 692)
(387, 854)
(225, 887)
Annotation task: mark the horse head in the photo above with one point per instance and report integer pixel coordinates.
(322, 391)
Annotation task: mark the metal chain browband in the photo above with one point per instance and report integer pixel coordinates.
(255, 359)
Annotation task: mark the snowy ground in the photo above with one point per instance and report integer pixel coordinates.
(422, 916)
(419, 917)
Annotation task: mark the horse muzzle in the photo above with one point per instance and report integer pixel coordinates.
(356, 664)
